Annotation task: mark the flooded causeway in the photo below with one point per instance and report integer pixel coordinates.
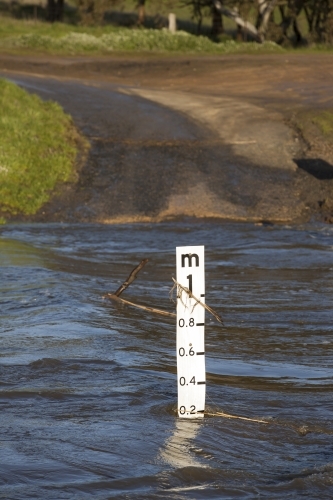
(88, 388)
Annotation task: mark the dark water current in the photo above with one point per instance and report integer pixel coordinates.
(88, 388)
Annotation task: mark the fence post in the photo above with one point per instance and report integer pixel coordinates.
(172, 23)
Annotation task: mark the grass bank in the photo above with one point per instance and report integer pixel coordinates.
(316, 129)
(66, 39)
(315, 126)
(38, 149)
(38, 37)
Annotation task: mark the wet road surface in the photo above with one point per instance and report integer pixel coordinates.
(149, 162)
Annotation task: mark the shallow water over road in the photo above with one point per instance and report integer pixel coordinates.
(88, 388)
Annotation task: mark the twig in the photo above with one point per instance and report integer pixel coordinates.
(131, 277)
(227, 415)
(190, 294)
(116, 296)
(113, 296)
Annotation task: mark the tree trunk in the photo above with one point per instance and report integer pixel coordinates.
(142, 12)
(50, 11)
(55, 10)
(233, 14)
(217, 22)
(297, 32)
(60, 10)
(268, 8)
(199, 25)
(239, 34)
(309, 18)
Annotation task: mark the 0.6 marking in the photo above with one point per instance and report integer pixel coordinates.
(182, 352)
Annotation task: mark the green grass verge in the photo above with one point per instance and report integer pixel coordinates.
(75, 40)
(324, 121)
(316, 129)
(315, 123)
(38, 149)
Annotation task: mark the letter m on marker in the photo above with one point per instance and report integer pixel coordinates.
(189, 257)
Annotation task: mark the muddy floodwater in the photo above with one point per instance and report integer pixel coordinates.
(88, 388)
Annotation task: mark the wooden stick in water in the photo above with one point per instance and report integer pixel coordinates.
(227, 415)
(130, 279)
(116, 296)
(145, 308)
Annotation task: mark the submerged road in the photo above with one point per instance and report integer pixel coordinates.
(88, 389)
(159, 154)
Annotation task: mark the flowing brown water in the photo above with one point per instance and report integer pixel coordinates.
(88, 388)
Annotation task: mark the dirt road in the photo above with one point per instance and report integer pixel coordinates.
(189, 136)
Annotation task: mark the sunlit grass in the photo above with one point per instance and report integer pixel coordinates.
(38, 148)
(64, 39)
(310, 120)
(324, 121)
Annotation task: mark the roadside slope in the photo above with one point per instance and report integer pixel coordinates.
(163, 151)
(39, 146)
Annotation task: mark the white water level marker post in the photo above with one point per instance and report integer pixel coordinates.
(191, 371)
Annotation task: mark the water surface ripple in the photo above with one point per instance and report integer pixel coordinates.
(88, 388)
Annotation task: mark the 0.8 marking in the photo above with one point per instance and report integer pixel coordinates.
(181, 323)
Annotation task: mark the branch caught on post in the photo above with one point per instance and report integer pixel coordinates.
(190, 294)
(116, 296)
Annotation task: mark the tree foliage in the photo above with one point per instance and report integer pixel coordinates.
(277, 20)
(282, 21)
(93, 11)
